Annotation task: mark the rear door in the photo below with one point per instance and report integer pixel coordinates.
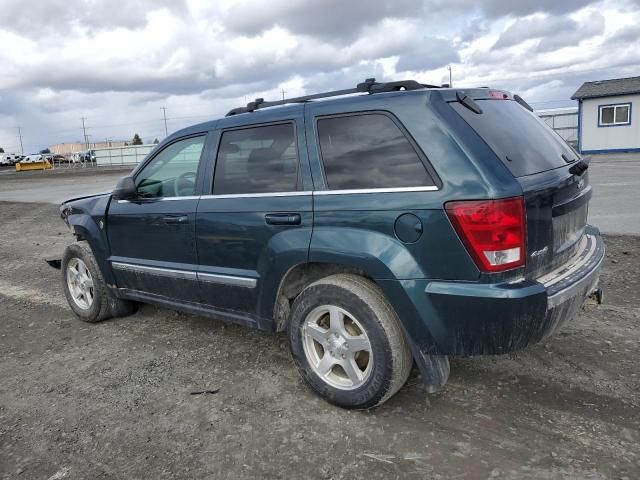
(539, 159)
(376, 195)
(256, 222)
(152, 237)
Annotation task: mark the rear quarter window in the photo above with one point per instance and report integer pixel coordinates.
(364, 151)
(525, 144)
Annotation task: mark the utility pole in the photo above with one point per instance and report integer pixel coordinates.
(450, 80)
(20, 135)
(164, 111)
(283, 91)
(84, 132)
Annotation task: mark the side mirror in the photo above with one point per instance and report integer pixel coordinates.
(125, 189)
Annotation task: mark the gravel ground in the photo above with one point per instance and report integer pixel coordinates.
(114, 400)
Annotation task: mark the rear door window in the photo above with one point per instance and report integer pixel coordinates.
(524, 143)
(257, 160)
(368, 151)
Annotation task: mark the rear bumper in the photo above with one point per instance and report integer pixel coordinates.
(474, 319)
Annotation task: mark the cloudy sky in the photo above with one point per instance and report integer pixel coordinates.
(117, 63)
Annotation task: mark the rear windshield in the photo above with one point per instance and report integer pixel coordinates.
(524, 143)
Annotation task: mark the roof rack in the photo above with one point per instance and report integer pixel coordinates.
(368, 86)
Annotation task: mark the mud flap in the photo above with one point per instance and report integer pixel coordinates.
(54, 262)
(434, 369)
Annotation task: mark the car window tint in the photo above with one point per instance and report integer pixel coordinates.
(257, 160)
(368, 151)
(524, 142)
(172, 173)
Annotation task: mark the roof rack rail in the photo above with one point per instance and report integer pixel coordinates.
(368, 86)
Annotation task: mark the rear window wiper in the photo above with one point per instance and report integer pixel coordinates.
(468, 102)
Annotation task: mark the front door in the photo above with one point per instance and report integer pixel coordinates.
(257, 222)
(152, 237)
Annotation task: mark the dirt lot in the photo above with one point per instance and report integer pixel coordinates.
(113, 400)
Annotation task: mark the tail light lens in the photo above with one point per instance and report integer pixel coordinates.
(493, 231)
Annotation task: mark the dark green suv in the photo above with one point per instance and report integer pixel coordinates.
(381, 226)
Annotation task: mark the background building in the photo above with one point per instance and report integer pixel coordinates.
(66, 148)
(564, 121)
(609, 116)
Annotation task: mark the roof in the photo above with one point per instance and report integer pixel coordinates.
(607, 88)
(557, 111)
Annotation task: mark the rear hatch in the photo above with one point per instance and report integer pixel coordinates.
(556, 200)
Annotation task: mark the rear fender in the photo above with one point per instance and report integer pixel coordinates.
(380, 256)
(387, 262)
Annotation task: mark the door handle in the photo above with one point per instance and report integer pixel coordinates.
(176, 219)
(283, 218)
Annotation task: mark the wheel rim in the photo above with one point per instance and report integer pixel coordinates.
(337, 347)
(80, 283)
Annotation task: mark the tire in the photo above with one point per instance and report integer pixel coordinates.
(320, 347)
(85, 289)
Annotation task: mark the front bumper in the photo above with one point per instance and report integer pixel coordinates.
(475, 319)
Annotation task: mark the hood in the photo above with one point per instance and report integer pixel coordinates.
(85, 197)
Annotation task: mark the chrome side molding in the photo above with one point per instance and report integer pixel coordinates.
(230, 280)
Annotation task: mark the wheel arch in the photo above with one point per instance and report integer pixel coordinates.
(85, 228)
(434, 368)
(297, 278)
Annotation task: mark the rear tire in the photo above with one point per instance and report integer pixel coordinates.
(348, 343)
(85, 289)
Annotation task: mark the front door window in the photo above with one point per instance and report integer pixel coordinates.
(172, 173)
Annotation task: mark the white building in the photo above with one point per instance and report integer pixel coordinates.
(609, 116)
(564, 121)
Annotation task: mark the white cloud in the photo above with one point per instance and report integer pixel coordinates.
(118, 63)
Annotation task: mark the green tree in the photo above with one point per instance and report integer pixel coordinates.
(136, 140)
(155, 142)
(1, 150)
(45, 151)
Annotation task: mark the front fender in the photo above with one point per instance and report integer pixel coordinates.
(87, 220)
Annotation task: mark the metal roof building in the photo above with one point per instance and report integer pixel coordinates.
(607, 119)
(564, 121)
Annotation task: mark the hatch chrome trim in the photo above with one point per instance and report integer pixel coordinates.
(587, 249)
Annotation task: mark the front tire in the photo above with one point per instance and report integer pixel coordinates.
(85, 289)
(348, 343)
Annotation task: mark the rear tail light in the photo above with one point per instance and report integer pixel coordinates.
(493, 231)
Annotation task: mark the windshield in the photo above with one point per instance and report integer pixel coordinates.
(524, 143)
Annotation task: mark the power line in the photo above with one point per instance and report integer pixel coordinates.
(84, 131)
(164, 111)
(20, 135)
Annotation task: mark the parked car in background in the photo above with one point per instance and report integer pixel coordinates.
(8, 159)
(33, 158)
(403, 225)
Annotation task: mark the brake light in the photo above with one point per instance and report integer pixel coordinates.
(493, 231)
(498, 95)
